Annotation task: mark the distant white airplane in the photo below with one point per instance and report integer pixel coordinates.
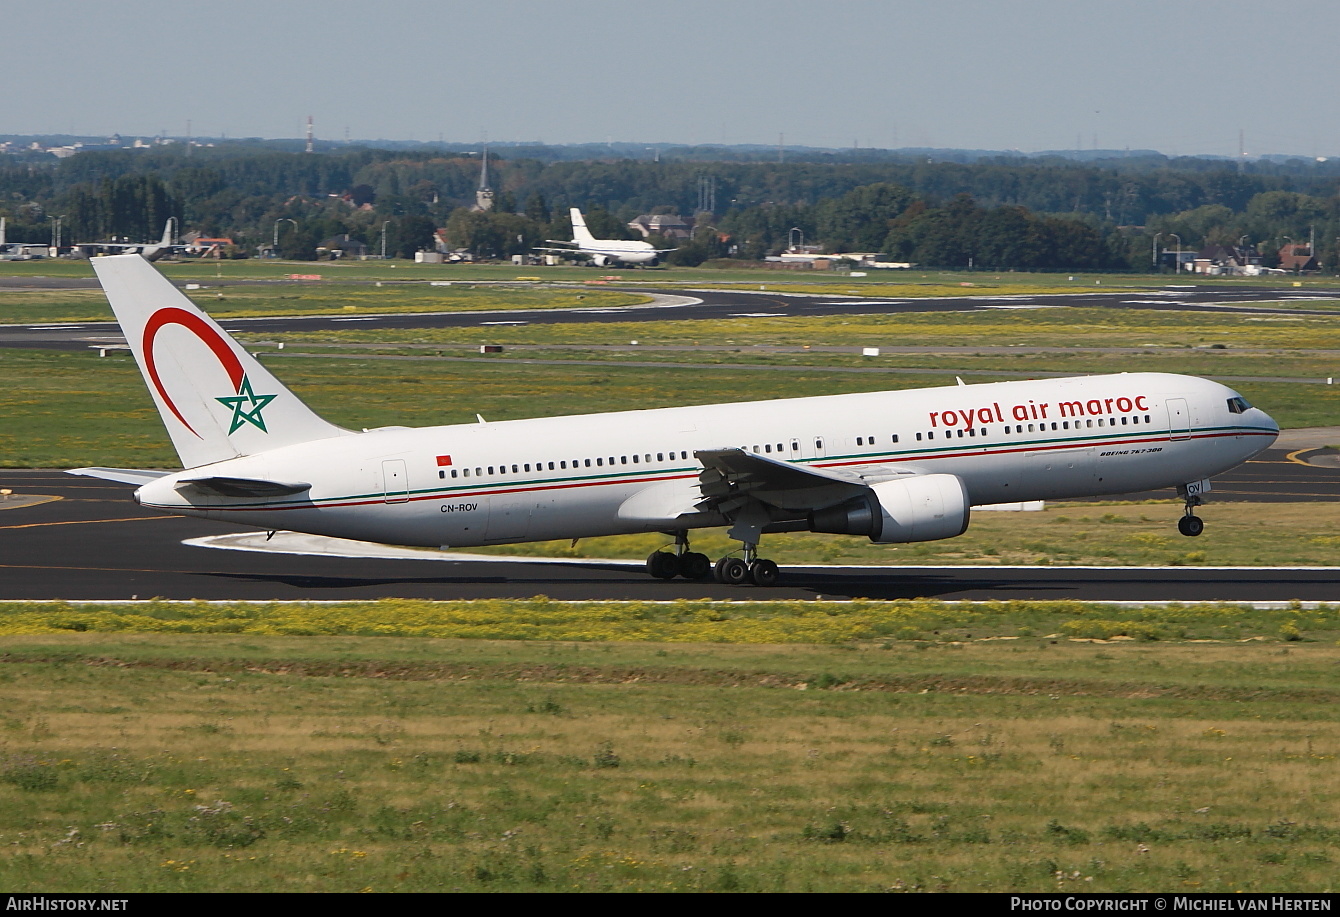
(894, 467)
(605, 251)
(151, 251)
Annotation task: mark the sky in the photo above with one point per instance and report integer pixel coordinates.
(1184, 77)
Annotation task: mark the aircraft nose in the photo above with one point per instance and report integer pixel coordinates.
(1268, 422)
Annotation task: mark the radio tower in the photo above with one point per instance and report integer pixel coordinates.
(309, 134)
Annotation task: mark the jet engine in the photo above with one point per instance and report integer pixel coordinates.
(922, 508)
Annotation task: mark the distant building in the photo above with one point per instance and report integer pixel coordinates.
(342, 246)
(1298, 259)
(671, 226)
(205, 246)
(1227, 259)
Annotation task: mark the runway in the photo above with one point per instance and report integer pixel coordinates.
(713, 305)
(96, 543)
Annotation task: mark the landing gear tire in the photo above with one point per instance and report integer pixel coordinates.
(732, 571)
(695, 566)
(663, 565)
(1190, 526)
(764, 573)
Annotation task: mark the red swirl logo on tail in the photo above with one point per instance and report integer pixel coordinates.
(211, 338)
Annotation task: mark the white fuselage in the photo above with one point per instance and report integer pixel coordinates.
(610, 250)
(569, 477)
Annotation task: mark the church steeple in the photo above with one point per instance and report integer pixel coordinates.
(484, 196)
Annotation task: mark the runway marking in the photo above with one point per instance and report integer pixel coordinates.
(19, 501)
(111, 570)
(38, 525)
(1293, 457)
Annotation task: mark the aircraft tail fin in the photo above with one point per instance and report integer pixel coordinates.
(216, 400)
(167, 233)
(579, 231)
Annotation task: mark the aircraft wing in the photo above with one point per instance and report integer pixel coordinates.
(120, 475)
(732, 477)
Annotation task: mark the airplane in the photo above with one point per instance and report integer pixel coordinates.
(895, 467)
(605, 251)
(151, 251)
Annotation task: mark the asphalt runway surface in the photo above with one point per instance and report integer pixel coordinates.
(707, 305)
(96, 543)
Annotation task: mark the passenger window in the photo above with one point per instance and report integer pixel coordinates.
(918, 437)
(858, 441)
(660, 456)
(599, 461)
(895, 437)
(453, 472)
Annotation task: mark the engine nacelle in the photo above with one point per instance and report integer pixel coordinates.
(923, 508)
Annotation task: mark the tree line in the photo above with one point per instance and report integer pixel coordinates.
(994, 213)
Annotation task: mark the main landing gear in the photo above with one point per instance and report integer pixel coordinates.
(685, 563)
(736, 571)
(732, 570)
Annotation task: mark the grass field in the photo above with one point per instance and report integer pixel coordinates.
(901, 749)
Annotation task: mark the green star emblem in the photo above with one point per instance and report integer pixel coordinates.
(247, 407)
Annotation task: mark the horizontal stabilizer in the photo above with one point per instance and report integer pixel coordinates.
(120, 475)
(244, 487)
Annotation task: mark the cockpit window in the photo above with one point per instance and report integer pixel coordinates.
(1237, 405)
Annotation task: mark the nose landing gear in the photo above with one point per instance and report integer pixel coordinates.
(1190, 524)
